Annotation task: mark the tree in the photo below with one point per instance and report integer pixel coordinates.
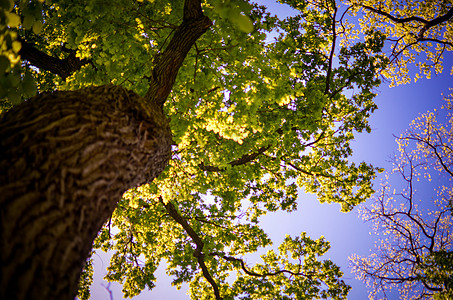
(419, 32)
(204, 124)
(415, 254)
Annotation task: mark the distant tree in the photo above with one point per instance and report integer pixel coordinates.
(415, 253)
(419, 32)
(205, 123)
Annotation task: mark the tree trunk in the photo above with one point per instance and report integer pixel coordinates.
(65, 160)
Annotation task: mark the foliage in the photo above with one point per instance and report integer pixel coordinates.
(16, 82)
(418, 32)
(416, 252)
(250, 121)
(438, 267)
(253, 120)
(86, 279)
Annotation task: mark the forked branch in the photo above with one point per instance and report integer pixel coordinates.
(427, 24)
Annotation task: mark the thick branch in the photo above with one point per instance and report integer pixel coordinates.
(427, 24)
(61, 67)
(437, 21)
(170, 60)
(173, 212)
(192, 10)
(393, 18)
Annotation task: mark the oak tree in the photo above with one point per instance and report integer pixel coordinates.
(177, 125)
(415, 253)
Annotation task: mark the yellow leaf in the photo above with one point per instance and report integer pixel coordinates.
(37, 27)
(13, 19)
(16, 46)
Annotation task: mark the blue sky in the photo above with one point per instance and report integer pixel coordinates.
(347, 233)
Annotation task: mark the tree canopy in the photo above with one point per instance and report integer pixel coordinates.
(259, 109)
(251, 120)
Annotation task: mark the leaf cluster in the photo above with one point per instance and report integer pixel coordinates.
(16, 83)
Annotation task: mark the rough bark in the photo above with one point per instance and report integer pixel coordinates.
(65, 160)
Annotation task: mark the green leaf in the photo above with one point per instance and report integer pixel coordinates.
(244, 23)
(14, 79)
(29, 20)
(16, 46)
(37, 27)
(13, 19)
(14, 97)
(7, 4)
(4, 64)
(29, 85)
